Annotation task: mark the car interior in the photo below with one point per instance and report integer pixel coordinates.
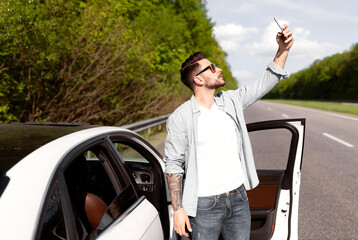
(93, 196)
(90, 193)
(148, 175)
(263, 202)
(96, 202)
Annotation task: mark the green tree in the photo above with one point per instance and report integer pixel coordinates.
(332, 78)
(103, 62)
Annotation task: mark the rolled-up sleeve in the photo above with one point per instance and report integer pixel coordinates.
(278, 71)
(175, 144)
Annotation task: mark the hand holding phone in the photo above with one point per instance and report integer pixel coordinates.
(279, 27)
(284, 38)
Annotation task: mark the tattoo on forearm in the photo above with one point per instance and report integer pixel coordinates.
(174, 181)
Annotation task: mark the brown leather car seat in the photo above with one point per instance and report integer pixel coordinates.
(89, 207)
(95, 209)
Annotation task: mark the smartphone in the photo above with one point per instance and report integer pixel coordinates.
(278, 25)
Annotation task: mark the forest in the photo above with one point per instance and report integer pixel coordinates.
(333, 78)
(106, 62)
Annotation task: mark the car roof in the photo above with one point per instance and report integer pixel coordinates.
(17, 140)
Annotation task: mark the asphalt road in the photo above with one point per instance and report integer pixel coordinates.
(329, 189)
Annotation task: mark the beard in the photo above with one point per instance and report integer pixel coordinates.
(216, 83)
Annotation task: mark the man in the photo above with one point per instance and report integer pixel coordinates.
(208, 148)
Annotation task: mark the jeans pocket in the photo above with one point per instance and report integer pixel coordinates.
(241, 193)
(206, 203)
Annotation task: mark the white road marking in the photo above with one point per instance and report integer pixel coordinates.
(338, 140)
(284, 115)
(269, 109)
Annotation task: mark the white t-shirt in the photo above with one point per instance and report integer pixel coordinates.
(219, 165)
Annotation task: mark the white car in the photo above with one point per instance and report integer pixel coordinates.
(85, 182)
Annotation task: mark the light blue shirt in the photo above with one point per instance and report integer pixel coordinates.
(182, 138)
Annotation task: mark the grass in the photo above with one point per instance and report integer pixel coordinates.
(351, 108)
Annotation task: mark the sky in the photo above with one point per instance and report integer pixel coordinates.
(246, 31)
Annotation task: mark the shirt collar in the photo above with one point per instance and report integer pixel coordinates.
(195, 106)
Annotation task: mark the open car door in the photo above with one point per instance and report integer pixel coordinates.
(277, 147)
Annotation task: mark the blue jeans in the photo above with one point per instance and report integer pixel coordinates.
(227, 213)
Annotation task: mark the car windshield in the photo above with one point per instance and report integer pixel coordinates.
(18, 140)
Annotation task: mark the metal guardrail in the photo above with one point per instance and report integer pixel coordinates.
(135, 127)
(146, 124)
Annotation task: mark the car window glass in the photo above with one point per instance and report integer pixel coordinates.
(139, 167)
(95, 199)
(91, 191)
(271, 148)
(54, 225)
(119, 205)
(129, 154)
(139, 163)
(99, 183)
(143, 163)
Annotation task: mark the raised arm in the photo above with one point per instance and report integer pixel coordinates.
(285, 42)
(249, 94)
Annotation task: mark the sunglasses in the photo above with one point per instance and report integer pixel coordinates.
(212, 68)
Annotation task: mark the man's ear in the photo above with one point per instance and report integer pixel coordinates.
(199, 81)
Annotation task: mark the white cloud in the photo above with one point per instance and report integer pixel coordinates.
(234, 30)
(231, 35)
(229, 45)
(301, 32)
(267, 45)
(302, 47)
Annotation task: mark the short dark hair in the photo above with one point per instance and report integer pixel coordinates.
(189, 68)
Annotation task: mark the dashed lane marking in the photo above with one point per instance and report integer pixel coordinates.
(338, 140)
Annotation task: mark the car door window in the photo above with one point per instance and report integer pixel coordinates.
(139, 167)
(147, 172)
(129, 154)
(98, 191)
(271, 144)
(53, 224)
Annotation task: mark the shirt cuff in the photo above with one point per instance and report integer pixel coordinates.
(276, 69)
